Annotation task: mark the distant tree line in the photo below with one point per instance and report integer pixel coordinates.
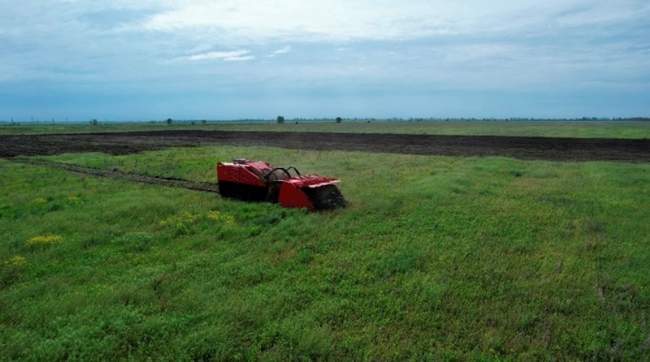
(282, 120)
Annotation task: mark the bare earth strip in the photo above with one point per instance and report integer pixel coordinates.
(541, 148)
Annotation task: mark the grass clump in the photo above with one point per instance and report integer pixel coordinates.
(136, 241)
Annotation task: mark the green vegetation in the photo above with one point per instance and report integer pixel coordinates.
(436, 257)
(580, 129)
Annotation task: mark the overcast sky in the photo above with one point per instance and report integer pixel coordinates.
(233, 59)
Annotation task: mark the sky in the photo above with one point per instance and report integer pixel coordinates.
(123, 60)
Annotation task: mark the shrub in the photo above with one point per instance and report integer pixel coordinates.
(280, 119)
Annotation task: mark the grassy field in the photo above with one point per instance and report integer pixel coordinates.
(580, 129)
(435, 258)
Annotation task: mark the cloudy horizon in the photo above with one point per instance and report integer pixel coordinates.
(234, 59)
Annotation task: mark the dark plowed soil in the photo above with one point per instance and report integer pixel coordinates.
(571, 149)
(120, 175)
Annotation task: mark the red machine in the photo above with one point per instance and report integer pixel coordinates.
(259, 181)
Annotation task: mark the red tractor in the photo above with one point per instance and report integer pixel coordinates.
(259, 181)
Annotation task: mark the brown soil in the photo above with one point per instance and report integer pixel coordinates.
(562, 149)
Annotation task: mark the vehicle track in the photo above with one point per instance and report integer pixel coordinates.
(537, 148)
(127, 176)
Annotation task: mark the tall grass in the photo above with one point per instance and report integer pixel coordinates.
(435, 258)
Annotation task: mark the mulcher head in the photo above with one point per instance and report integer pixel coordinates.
(259, 181)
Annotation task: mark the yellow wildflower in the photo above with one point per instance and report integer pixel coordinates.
(221, 217)
(183, 218)
(44, 240)
(16, 262)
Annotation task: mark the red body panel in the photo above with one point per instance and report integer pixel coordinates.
(251, 173)
(292, 196)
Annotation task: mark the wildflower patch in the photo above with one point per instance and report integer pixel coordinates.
(74, 199)
(11, 269)
(40, 201)
(44, 240)
(181, 223)
(17, 261)
(221, 217)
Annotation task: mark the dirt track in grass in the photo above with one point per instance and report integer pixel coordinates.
(127, 176)
(537, 148)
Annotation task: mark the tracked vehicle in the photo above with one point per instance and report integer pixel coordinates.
(259, 181)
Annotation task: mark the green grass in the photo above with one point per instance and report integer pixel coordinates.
(435, 258)
(580, 129)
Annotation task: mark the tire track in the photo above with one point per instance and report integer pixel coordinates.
(127, 176)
